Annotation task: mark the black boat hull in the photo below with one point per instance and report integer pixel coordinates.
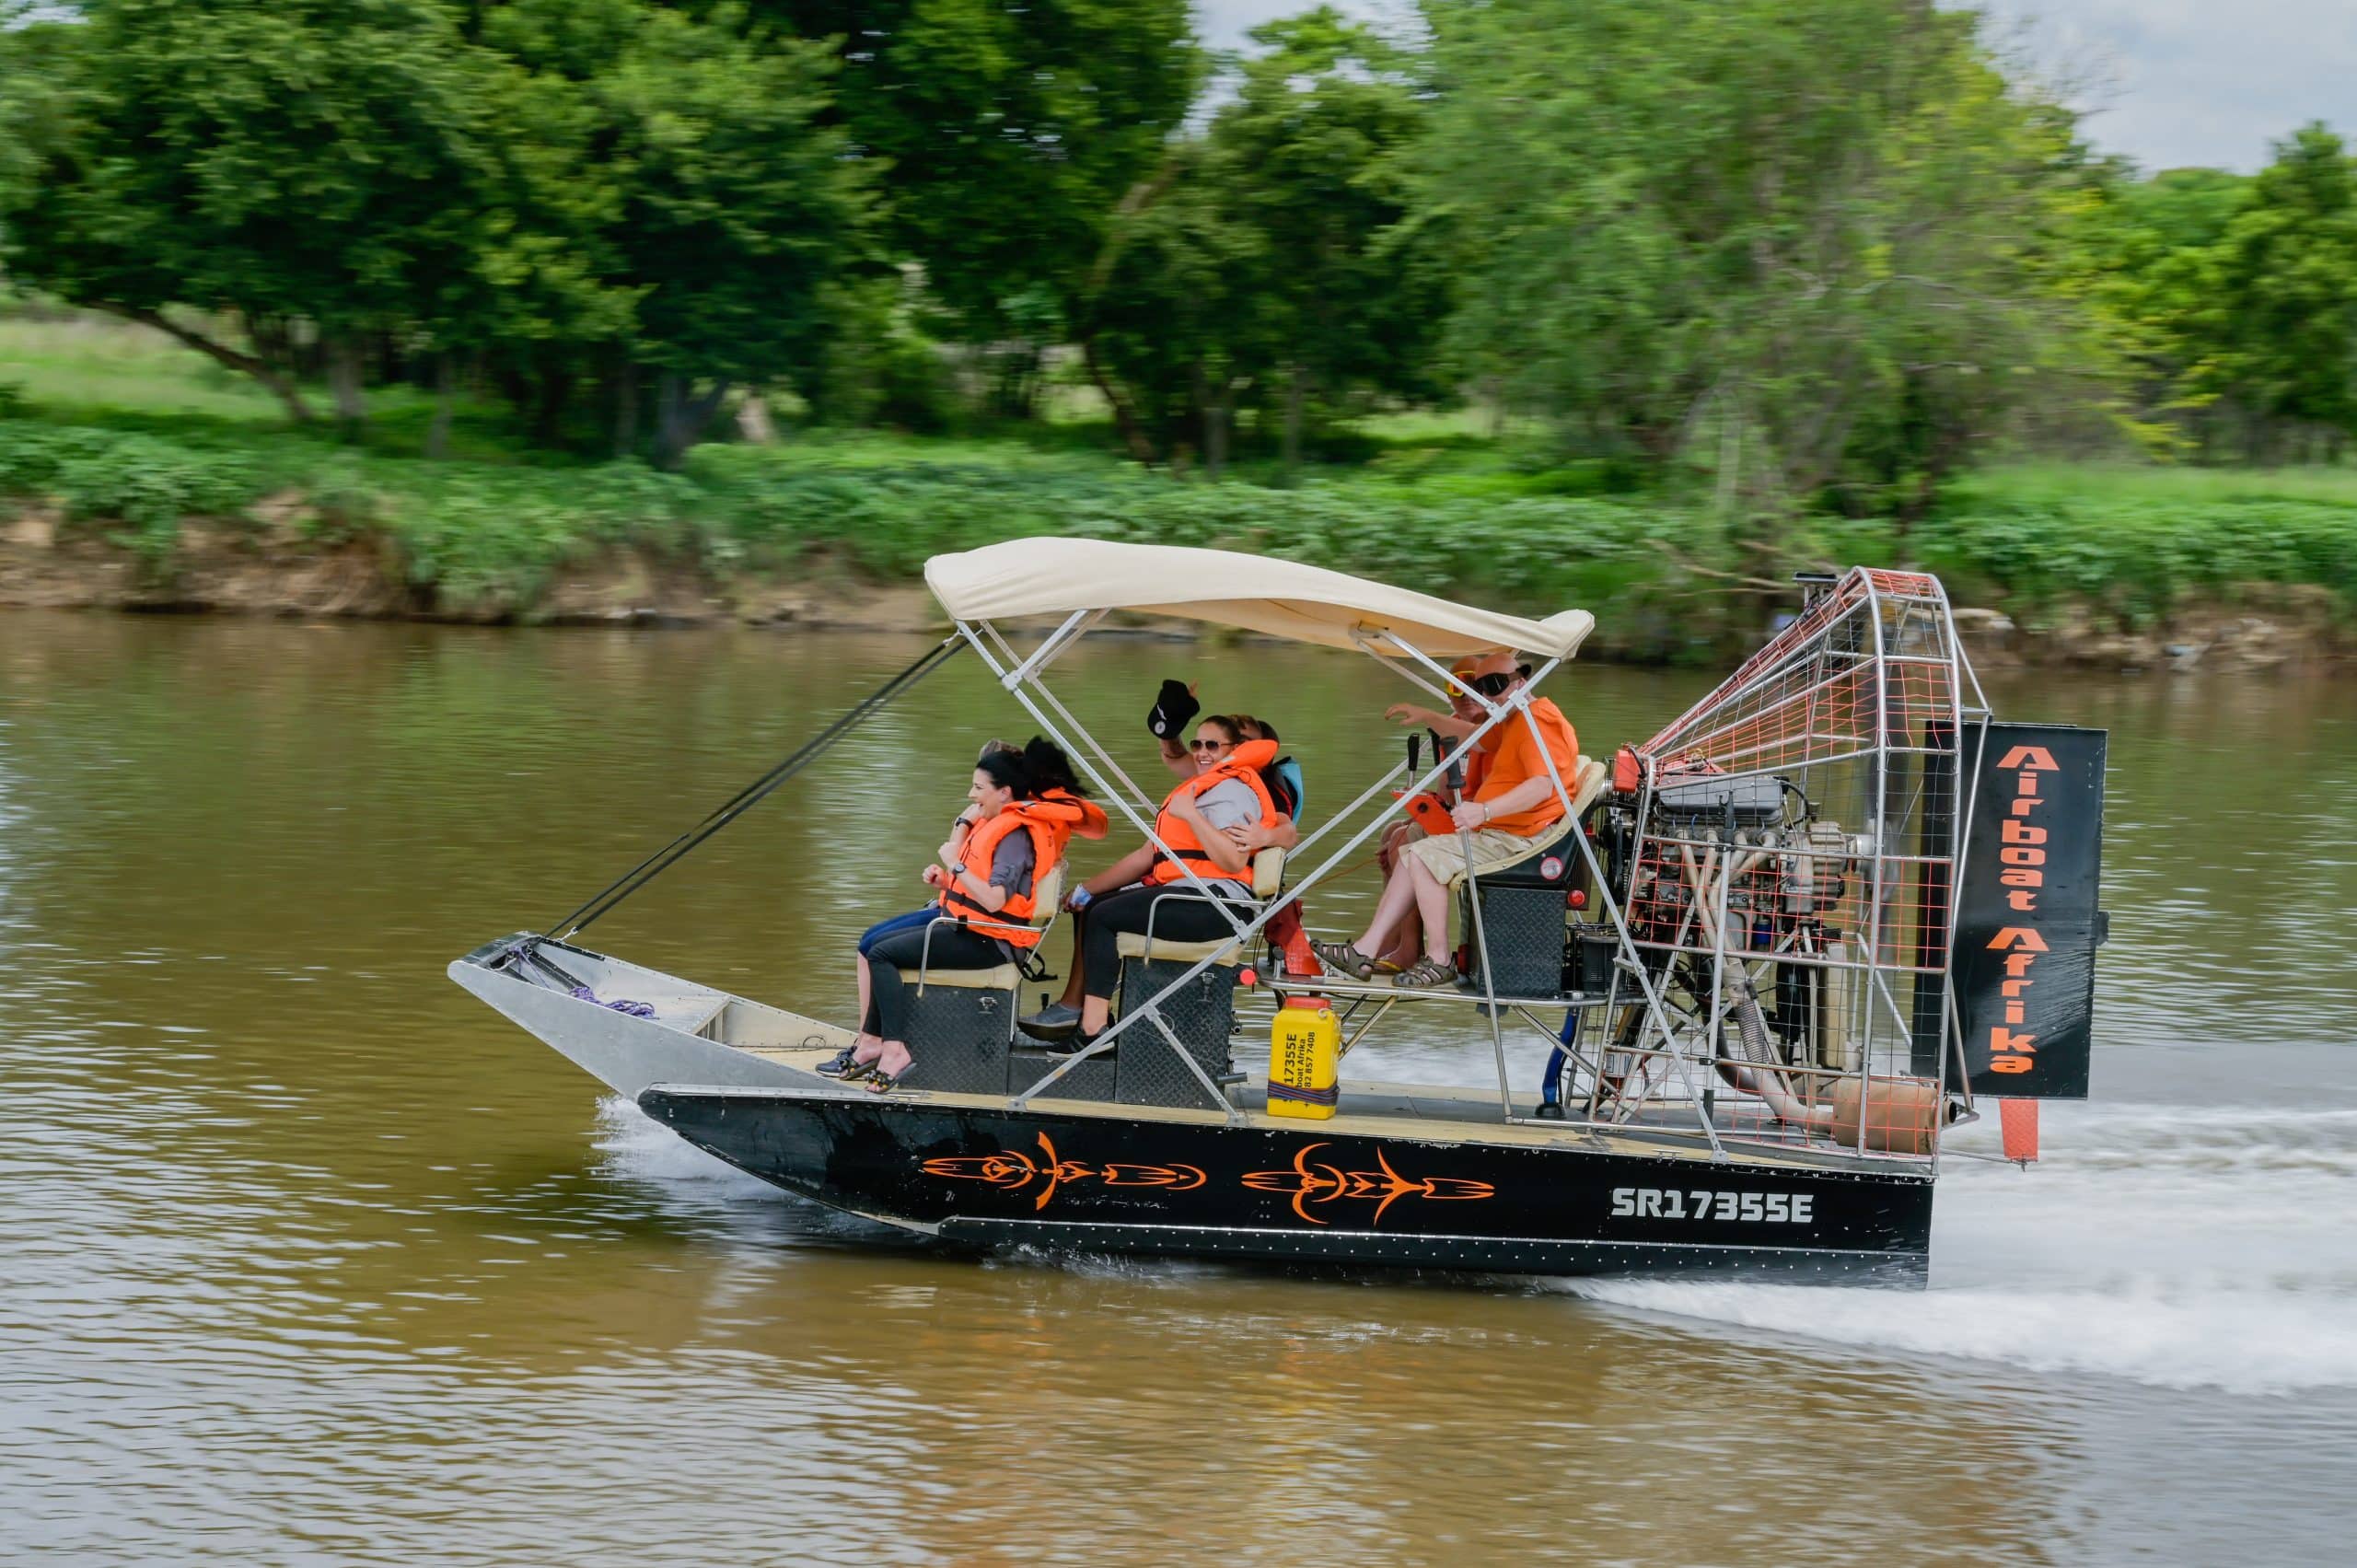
(1068, 1181)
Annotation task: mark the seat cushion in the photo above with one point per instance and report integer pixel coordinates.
(1132, 944)
(1005, 977)
(1587, 783)
(1268, 873)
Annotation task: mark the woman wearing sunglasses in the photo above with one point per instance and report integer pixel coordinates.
(1498, 823)
(1215, 821)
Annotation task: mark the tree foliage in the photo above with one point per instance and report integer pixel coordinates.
(553, 183)
(1794, 254)
(1800, 243)
(2235, 298)
(310, 159)
(731, 214)
(2281, 321)
(1008, 131)
(1278, 259)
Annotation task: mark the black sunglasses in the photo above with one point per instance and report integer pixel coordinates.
(1209, 744)
(1491, 685)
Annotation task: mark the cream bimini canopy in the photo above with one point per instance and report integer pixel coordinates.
(1281, 598)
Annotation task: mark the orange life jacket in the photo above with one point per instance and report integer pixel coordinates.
(1244, 763)
(1088, 818)
(1050, 824)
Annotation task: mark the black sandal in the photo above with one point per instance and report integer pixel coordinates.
(839, 1065)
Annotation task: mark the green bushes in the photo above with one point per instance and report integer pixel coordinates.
(2138, 557)
(887, 510)
(141, 483)
(487, 540)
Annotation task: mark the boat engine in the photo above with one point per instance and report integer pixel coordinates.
(1797, 860)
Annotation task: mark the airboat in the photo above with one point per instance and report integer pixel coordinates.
(1777, 952)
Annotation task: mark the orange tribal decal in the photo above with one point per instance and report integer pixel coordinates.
(1012, 1169)
(1325, 1183)
(1177, 1178)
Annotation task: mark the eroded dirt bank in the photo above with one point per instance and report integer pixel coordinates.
(2267, 627)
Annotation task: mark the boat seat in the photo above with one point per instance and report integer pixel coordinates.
(1587, 783)
(1267, 880)
(1200, 1012)
(1007, 976)
(961, 1021)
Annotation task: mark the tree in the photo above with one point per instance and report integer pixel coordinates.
(1182, 318)
(2282, 286)
(1804, 245)
(1315, 143)
(549, 188)
(1006, 135)
(2143, 252)
(718, 223)
(1279, 255)
(737, 209)
(308, 160)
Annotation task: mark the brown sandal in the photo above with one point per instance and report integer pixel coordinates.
(1426, 974)
(1343, 958)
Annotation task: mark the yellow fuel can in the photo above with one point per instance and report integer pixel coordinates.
(1304, 1052)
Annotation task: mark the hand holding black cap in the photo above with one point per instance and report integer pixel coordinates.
(1174, 709)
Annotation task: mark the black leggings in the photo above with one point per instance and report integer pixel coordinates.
(1183, 915)
(953, 947)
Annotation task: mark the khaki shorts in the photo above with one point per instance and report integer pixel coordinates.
(1493, 848)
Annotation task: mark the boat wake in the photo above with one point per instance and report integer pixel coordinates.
(2171, 1246)
(712, 1196)
(2168, 1246)
(639, 1148)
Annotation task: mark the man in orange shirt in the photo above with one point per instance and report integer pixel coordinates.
(1500, 823)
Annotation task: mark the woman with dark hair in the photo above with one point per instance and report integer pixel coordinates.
(1283, 776)
(1025, 806)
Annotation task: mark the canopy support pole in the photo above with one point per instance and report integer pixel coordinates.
(1075, 626)
(1247, 930)
(1628, 956)
(671, 854)
(1017, 690)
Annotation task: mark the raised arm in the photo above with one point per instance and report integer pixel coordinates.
(1413, 717)
(1175, 707)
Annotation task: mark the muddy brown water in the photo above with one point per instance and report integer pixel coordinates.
(304, 1257)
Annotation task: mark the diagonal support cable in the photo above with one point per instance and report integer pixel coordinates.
(662, 860)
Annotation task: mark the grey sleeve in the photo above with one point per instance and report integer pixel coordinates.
(1229, 804)
(1012, 863)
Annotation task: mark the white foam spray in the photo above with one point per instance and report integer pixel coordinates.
(639, 1148)
(2170, 1245)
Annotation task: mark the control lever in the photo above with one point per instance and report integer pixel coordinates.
(1429, 811)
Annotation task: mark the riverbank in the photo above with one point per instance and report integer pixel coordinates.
(2118, 568)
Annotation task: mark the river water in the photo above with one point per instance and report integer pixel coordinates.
(306, 1256)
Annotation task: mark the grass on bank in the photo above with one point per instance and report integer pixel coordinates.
(131, 435)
